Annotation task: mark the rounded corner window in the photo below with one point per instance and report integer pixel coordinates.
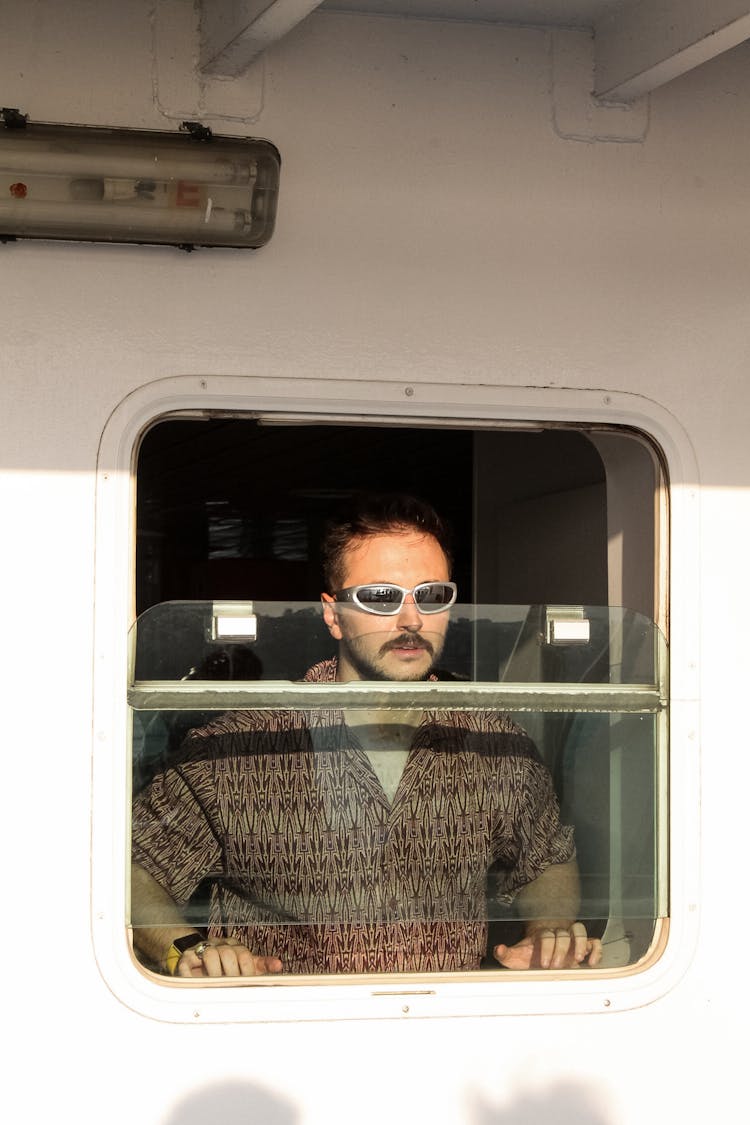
(266, 804)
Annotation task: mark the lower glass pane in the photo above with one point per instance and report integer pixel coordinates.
(440, 824)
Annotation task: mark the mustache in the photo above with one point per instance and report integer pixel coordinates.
(408, 640)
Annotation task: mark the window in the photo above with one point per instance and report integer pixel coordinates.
(559, 624)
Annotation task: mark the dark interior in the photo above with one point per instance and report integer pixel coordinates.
(234, 508)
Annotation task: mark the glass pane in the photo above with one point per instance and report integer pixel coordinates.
(392, 825)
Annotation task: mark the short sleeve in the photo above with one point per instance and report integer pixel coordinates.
(529, 834)
(172, 835)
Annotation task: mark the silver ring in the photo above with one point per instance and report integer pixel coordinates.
(200, 948)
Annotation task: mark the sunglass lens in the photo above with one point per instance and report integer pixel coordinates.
(433, 596)
(380, 599)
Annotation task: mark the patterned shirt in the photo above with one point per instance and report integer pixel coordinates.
(306, 858)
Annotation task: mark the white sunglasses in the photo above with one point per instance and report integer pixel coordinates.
(386, 599)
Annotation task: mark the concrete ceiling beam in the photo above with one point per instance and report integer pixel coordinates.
(235, 32)
(641, 46)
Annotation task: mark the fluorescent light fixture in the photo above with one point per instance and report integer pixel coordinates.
(91, 184)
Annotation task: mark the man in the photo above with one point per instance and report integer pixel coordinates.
(359, 841)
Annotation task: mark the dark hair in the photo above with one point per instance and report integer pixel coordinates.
(371, 514)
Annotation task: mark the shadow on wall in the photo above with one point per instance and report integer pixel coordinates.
(234, 1103)
(566, 1103)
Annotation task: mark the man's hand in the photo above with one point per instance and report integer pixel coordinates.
(564, 947)
(157, 922)
(552, 940)
(224, 957)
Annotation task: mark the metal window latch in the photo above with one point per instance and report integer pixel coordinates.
(566, 625)
(233, 621)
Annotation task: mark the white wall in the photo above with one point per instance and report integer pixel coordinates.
(430, 222)
(432, 226)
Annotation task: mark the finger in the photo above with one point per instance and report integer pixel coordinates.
(246, 963)
(214, 964)
(268, 965)
(546, 940)
(515, 957)
(560, 951)
(229, 955)
(500, 953)
(581, 943)
(595, 952)
(190, 965)
(251, 965)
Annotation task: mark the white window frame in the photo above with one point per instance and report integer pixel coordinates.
(398, 402)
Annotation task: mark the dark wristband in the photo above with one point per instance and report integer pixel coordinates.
(182, 944)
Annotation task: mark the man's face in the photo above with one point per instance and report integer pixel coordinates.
(403, 646)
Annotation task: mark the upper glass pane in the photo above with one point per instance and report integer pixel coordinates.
(177, 647)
